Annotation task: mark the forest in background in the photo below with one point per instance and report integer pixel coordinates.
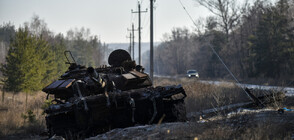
(32, 55)
(254, 40)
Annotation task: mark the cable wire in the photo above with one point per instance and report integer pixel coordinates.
(220, 57)
(188, 13)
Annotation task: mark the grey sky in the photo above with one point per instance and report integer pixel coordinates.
(109, 19)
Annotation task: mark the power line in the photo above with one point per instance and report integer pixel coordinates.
(145, 22)
(155, 24)
(144, 19)
(218, 55)
(139, 28)
(188, 13)
(130, 47)
(131, 18)
(133, 41)
(145, 25)
(134, 18)
(151, 41)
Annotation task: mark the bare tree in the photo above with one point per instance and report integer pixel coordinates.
(228, 11)
(38, 27)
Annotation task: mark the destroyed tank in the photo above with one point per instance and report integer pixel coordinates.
(89, 101)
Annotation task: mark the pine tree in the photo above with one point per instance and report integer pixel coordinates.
(58, 47)
(29, 60)
(271, 45)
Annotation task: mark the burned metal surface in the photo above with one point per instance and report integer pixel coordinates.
(90, 101)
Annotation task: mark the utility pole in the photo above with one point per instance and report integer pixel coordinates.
(139, 28)
(133, 32)
(151, 40)
(133, 40)
(130, 47)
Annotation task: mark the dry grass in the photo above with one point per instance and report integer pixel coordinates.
(15, 119)
(252, 131)
(202, 96)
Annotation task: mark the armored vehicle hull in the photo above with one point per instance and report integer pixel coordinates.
(90, 101)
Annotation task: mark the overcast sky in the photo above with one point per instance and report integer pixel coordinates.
(109, 19)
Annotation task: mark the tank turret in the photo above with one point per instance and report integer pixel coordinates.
(88, 101)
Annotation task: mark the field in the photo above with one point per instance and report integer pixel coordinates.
(27, 121)
(21, 120)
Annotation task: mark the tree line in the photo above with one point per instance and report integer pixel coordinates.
(254, 40)
(32, 56)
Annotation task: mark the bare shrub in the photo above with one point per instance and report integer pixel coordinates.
(202, 96)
